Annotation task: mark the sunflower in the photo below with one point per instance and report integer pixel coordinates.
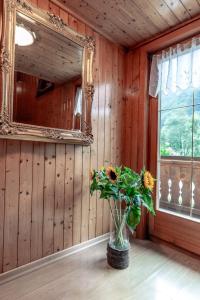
(92, 174)
(111, 173)
(102, 168)
(148, 181)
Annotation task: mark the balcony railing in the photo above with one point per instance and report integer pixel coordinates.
(179, 186)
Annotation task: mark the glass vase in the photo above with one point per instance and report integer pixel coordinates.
(119, 236)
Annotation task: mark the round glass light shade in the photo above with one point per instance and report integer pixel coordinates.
(23, 37)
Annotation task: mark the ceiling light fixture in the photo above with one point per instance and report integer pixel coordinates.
(24, 36)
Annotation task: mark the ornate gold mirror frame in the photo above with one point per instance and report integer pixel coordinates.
(13, 130)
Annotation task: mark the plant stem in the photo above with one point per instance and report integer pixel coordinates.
(120, 206)
(117, 212)
(112, 214)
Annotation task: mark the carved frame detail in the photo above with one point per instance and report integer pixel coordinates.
(13, 130)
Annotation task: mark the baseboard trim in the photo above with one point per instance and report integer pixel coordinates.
(157, 240)
(35, 265)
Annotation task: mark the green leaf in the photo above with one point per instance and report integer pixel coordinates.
(133, 217)
(148, 203)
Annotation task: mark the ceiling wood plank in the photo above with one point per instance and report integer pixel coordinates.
(192, 6)
(120, 22)
(129, 22)
(151, 13)
(140, 23)
(102, 23)
(178, 8)
(165, 12)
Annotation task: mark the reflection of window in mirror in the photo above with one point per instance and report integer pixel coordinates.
(78, 108)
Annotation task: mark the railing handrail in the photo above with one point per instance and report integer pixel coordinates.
(184, 158)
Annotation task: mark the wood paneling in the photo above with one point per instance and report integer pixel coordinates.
(25, 195)
(11, 218)
(45, 204)
(69, 193)
(59, 198)
(133, 114)
(128, 22)
(37, 209)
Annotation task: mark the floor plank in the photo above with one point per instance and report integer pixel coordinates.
(156, 272)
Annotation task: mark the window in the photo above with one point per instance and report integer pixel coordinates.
(175, 79)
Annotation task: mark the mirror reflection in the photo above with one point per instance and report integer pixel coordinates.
(48, 77)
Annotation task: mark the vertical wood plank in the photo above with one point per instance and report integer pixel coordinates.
(65, 16)
(85, 195)
(128, 116)
(25, 196)
(113, 139)
(37, 201)
(135, 88)
(2, 197)
(54, 8)
(107, 122)
(78, 169)
(43, 4)
(49, 195)
(69, 196)
(143, 107)
(34, 2)
(59, 198)
(101, 133)
(81, 28)
(94, 146)
(73, 22)
(11, 206)
(120, 104)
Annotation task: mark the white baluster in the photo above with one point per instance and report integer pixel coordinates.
(180, 199)
(169, 197)
(192, 200)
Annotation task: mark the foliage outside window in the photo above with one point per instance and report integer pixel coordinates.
(180, 123)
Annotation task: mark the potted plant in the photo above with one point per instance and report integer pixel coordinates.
(126, 192)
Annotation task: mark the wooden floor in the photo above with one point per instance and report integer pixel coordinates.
(155, 273)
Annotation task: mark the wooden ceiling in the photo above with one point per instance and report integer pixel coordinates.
(52, 56)
(129, 22)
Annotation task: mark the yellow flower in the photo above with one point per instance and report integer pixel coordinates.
(148, 181)
(111, 173)
(92, 173)
(102, 168)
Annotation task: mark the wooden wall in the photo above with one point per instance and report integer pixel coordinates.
(135, 109)
(55, 108)
(45, 204)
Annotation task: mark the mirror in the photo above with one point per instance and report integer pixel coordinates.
(50, 75)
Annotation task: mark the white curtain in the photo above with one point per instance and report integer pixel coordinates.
(176, 68)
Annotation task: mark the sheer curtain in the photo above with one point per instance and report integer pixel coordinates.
(176, 68)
